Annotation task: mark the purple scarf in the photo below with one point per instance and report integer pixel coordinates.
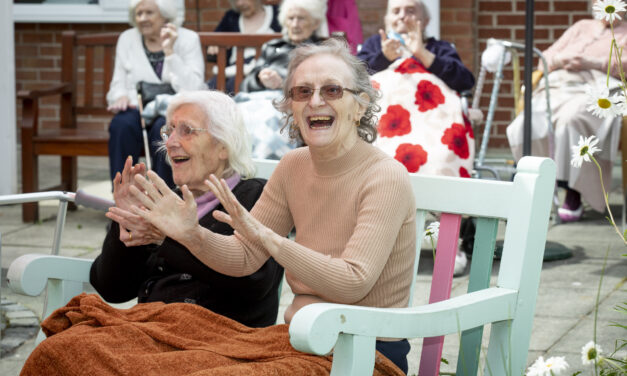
(208, 201)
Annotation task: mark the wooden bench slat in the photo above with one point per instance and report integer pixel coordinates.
(89, 76)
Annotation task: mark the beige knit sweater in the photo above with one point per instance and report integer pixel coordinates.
(355, 230)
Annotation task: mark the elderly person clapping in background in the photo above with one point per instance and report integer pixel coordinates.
(204, 135)
(299, 21)
(156, 50)
(408, 19)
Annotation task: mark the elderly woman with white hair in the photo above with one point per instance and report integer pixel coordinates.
(204, 135)
(158, 51)
(300, 21)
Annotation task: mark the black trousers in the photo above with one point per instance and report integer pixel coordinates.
(396, 351)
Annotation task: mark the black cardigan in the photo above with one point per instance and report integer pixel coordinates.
(170, 273)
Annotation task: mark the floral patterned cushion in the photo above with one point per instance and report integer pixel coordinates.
(421, 122)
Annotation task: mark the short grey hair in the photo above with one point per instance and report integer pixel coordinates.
(367, 128)
(225, 124)
(426, 15)
(167, 8)
(317, 9)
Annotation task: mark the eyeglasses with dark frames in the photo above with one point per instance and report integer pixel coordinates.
(328, 92)
(183, 130)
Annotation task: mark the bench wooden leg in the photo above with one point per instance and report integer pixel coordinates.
(30, 166)
(69, 176)
(30, 176)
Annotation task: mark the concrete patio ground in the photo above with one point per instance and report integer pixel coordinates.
(565, 306)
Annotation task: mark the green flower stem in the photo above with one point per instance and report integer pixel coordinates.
(607, 204)
(596, 303)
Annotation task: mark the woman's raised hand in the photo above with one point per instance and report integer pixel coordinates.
(134, 230)
(168, 37)
(123, 181)
(240, 219)
(164, 209)
(391, 48)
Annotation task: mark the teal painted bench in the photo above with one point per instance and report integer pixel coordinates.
(351, 331)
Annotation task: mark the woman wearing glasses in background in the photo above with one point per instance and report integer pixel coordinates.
(204, 135)
(351, 204)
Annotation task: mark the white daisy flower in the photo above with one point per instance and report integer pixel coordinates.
(583, 150)
(608, 9)
(537, 368)
(555, 365)
(433, 231)
(601, 104)
(590, 353)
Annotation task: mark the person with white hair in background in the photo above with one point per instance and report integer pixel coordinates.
(245, 16)
(405, 24)
(300, 21)
(158, 51)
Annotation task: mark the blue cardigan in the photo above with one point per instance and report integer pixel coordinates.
(447, 64)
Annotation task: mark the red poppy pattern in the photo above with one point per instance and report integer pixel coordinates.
(463, 173)
(410, 65)
(395, 122)
(428, 96)
(375, 84)
(421, 123)
(455, 138)
(412, 156)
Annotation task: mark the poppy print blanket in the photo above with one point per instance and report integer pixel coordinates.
(89, 337)
(421, 122)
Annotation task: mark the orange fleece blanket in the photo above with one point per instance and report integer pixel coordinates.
(89, 337)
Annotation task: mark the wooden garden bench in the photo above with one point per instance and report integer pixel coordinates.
(87, 63)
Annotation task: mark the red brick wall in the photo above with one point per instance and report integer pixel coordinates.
(467, 23)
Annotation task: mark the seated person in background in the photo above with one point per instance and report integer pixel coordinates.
(351, 204)
(245, 16)
(343, 15)
(577, 61)
(155, 50)
(299, 21)
(409, 18)
(204, 135)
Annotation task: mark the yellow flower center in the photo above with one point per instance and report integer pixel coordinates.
(592, 353)
(583, 151)
(604, 103)
(610, 9)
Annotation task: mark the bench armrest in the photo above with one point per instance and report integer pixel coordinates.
(62, 88)
(351, 331)
(29, 274)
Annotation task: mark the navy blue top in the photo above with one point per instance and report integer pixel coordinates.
(230, 23)
(447, 64)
